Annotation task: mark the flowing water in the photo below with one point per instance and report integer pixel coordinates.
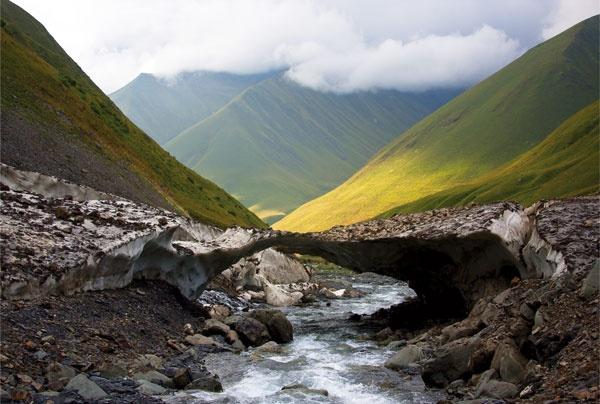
(327, 353)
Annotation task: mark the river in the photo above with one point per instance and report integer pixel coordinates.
(327, 353)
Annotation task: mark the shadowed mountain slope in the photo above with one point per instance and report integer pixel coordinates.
(57, 122)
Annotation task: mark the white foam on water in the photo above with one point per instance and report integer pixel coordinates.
(322, 356)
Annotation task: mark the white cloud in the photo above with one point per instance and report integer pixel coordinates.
(339, 45)
(423, 63)
(568, 13)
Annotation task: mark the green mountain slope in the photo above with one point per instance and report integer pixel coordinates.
(56, 121)
(279, 144)
(564, 164)
(485, 127)
(163, 108)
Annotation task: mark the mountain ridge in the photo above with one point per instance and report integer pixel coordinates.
(476, 132)
(56, 121)
(297, 142)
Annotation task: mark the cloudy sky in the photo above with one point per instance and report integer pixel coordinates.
(333, 45)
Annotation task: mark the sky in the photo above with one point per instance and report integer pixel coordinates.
(329, 45)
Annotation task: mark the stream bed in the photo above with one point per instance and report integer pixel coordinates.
(327, 353)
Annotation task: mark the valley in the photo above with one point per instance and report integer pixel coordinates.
(295, 202)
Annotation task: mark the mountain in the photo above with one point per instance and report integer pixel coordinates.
(564, 164)
(164, 107)
(279, 144)
(57, 122)
(479, 131)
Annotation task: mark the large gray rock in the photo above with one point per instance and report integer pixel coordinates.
(150, 388)
(497, 389)
(152, 376)
(509, 363)
(407, 355)
(450, 361)
(277, 296)
(85, 388)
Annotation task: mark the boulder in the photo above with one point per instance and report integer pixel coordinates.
(269, 347)
(277, 296)
(148, 361)
(182, 378)
(85, 388)
(219, 312)
(110, 370)
(58, 375)
(199, 339)
(150, 388)
(497, 389)
(450, 361)
(509, 363)
(215, 327)
(279, 327)
(211, 383)
(407, 355)
(251, 331)
(278, 268)
(152, 376)
(232, 337)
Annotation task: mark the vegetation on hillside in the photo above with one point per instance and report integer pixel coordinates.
(44, 91)
(279, 144)
(479, 131)
(564, 164)
(164, 107)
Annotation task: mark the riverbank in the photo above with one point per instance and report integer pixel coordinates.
(110, 341)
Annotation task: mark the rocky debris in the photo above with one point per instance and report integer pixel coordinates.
(110, 337)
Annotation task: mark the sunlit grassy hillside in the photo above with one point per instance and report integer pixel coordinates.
(479, 131)
(566, 163)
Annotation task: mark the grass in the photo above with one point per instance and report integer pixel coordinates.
(41, 83)
(564, 164)
(475, 134)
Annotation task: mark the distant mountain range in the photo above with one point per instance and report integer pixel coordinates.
(57, 122)
(274, 144)
(164, 107)
(529, 131)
